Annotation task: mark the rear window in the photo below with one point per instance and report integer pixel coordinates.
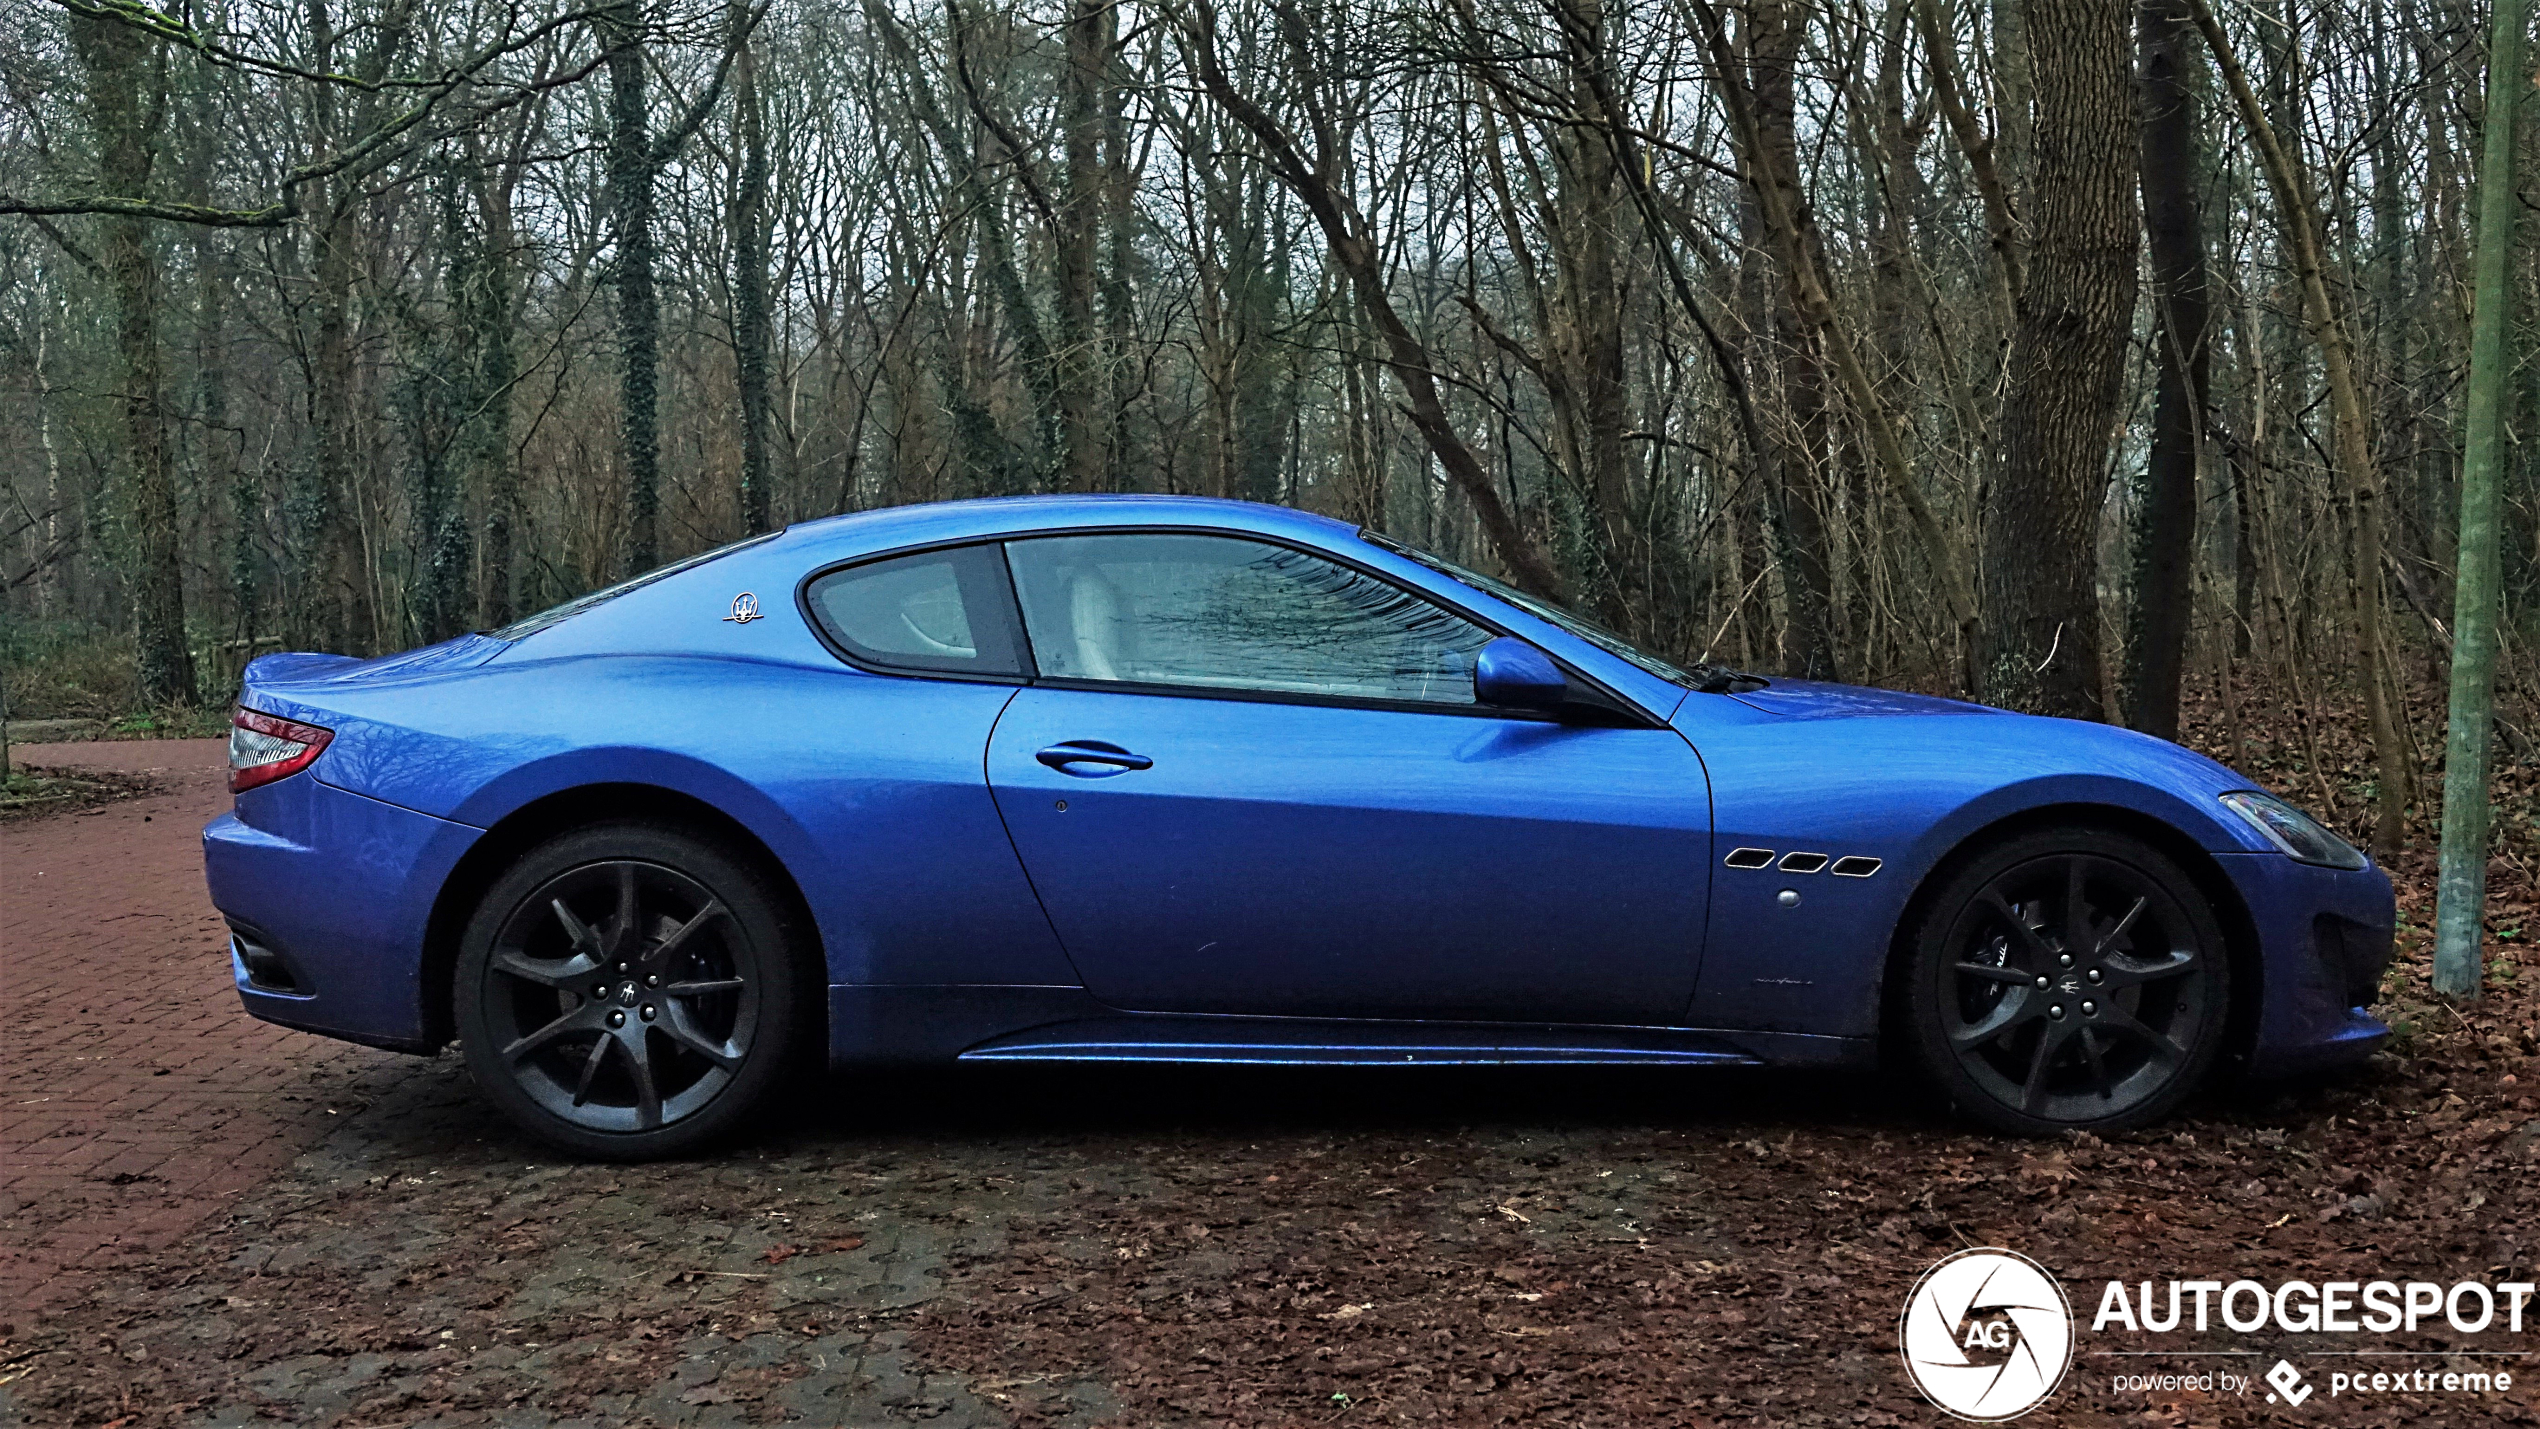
(532, 624)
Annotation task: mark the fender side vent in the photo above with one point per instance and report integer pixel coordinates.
(1802, 862)
(1855, 866)
(1749, 858)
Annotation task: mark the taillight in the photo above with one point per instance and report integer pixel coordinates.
(263, 748)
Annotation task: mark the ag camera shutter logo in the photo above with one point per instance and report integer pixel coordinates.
(1987, 1334)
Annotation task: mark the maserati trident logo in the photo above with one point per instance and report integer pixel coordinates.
(744, 609)
(1987, 1335)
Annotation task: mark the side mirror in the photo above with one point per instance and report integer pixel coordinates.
(1514, 674)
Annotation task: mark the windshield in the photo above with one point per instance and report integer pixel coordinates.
(1587, 630)
(532, 624)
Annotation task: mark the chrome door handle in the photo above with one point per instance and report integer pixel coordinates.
(1092, 751)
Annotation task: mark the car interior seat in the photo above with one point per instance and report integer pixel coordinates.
(1098, 627)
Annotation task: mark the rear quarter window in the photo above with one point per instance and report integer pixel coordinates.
(939, 612)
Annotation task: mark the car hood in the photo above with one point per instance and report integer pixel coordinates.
(1815, 699)
(1962, 744)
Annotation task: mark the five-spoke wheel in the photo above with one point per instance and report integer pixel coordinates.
(2067, 978)
(627, 991)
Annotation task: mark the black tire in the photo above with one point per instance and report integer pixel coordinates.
(632, 991)
(2036, 1021)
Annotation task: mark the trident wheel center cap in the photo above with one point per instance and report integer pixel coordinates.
(626, 994)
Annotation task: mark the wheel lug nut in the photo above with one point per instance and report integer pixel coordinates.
(618, 1019)
(654, 979)
(2065, 961)
(2041, 982)
(648, 1012)
(2094, 975)
(2090, 1009)
(599, 989)
(621, 967)
(2057, 1011)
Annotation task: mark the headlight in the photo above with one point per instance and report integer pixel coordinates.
(2294, 833)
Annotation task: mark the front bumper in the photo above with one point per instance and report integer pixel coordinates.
(2323, 939)
(327, 894)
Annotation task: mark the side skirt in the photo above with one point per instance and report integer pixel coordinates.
(904, 1025)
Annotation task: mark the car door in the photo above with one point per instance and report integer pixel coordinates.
(1251, 779)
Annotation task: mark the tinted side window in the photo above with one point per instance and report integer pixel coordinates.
(1229, 614)
(944, 611)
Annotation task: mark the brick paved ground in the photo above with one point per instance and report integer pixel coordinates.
(135, 1097)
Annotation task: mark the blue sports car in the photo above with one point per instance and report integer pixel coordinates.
(1168, 779)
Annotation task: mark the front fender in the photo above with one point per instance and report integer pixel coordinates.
(1906, 784)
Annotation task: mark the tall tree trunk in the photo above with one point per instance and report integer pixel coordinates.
(1081, 367)
(330, 585)
(631, 171)
(1793, 471)
(2462, 889)
(127, 98)
(2041, 602)
(438, 401)
(1588, 321)
(54, 592)
(2165, 522)
(2288, 178)
(1121, 377)
(485, 309)
(748, 218)
(220, 475)
(334, 608)
(1268, 392)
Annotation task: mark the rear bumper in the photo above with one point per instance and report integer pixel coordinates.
(2324, 938)
(327, 894)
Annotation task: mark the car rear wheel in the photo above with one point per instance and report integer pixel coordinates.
(2068, 979)
(629, 991)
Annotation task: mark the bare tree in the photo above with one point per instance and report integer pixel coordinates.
(2174, 223)
(2041, 602)
(127, 91)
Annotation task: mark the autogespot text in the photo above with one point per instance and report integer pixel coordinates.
(2299, 1307)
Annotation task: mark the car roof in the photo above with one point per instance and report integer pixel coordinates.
(668, 617)
(888, 527)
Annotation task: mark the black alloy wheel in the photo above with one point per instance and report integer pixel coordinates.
(629, 991)
(2068, 979)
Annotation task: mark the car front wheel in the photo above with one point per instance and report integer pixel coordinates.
(629, 991)
(2067, 979)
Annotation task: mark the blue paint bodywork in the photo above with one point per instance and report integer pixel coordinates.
(1289, 881)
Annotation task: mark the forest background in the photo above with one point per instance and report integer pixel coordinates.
(2091, 357)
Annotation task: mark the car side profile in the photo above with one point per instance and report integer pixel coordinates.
(1174, 779)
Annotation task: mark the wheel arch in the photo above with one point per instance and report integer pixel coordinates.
(2240, 929)
(561, 812)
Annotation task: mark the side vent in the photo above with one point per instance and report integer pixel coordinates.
(1855, 866)
(1802, 862)
(266, 970)
(1749, 858)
